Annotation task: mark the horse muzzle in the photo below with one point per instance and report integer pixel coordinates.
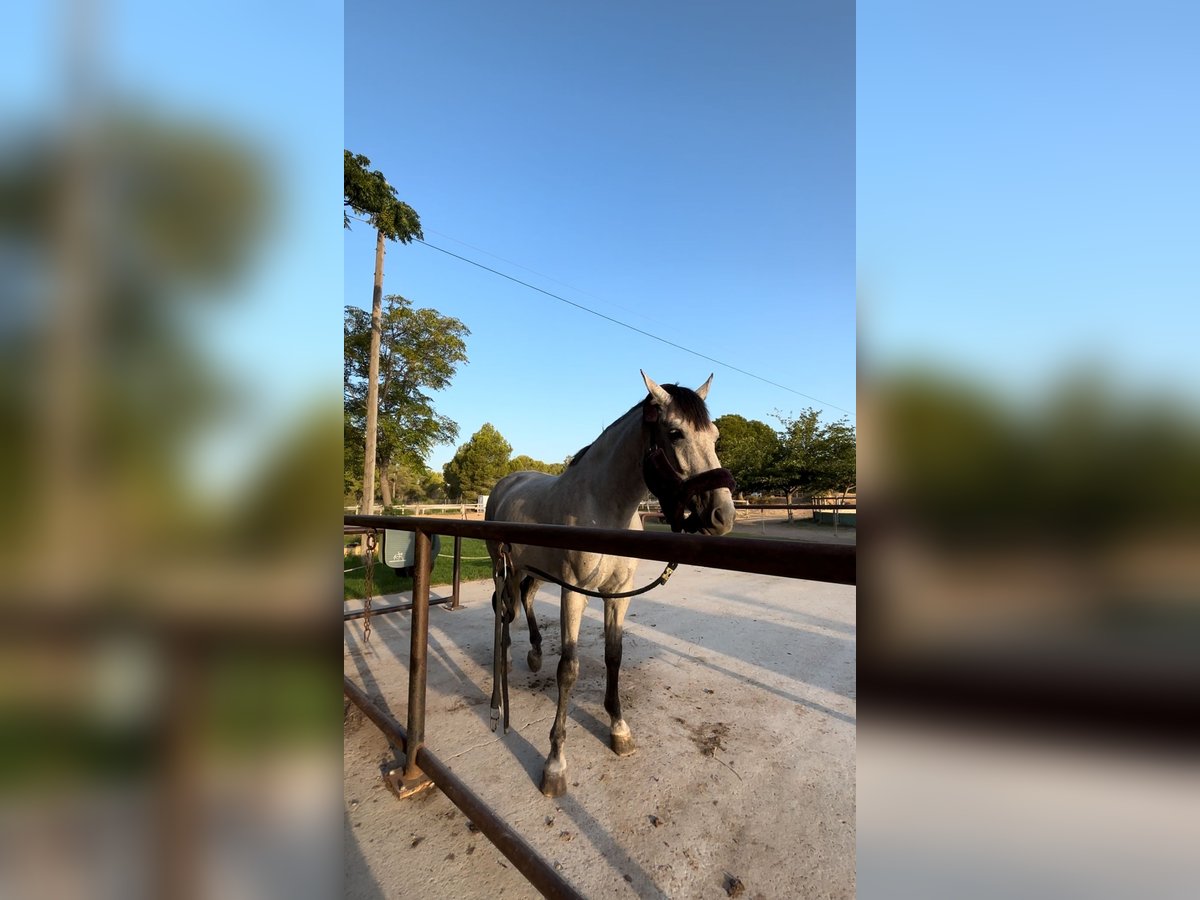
(676, 495)
(720, 520)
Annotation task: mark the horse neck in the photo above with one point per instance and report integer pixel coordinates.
(611, 471)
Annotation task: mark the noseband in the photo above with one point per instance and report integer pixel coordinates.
(674, 493)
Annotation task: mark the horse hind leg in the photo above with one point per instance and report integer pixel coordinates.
(554, 773)
(620, 737)
(529, 588)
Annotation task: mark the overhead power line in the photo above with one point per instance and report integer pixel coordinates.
(634, 328)
(548, 278)
(640, 331)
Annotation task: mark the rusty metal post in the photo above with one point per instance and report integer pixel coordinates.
(413, 780)
(457, 570)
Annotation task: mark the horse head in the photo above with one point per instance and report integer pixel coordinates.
(680, 464)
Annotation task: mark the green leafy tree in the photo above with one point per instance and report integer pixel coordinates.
(747, 448)
(814, 458)
(433, 486)
(368, 193)
(478, 464)
(793, 470)
(836, 463)
(352, 460)
(524, 463)
(420, 350)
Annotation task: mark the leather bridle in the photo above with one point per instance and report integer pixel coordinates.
(673, 491)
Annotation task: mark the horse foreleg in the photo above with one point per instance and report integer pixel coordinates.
(529, 587)
(554, 774)
(620, 737)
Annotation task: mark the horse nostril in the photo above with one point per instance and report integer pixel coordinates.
(722, 518)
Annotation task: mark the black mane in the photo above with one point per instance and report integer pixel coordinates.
(691, 408)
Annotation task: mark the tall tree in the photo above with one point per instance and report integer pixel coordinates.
(368, 193)
(794, 469)
(813, 457)
(478, 464)
(837, 457)
(419, 351)
(526, 463)
(747, 447)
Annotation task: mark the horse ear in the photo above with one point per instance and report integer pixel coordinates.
(702, 391)
(661, 397)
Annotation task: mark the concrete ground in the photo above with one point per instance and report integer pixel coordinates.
(740, 691)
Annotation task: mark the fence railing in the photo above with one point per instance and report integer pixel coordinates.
(421, 509)
(834, 563)
(424, 508)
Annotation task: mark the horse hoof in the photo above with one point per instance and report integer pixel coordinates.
(495, 718)
(622, 744)
(535, 661)
(554, 785)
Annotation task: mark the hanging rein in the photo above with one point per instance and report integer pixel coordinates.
(674, 494)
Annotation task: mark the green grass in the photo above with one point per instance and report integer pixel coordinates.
(388, 582)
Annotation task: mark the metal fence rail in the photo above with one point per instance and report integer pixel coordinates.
(790, 559)
(797, 505)
(811, 561)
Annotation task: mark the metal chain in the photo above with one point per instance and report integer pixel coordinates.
(369, 587)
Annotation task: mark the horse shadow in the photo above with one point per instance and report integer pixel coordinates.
(472, 646)
(607, 845)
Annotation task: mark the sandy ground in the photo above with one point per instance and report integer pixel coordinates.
(740, 690)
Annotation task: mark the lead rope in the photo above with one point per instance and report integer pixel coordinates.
(660, 580)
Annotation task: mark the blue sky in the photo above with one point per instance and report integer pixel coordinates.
(273, 84)
(688, 169)
(1028, 190)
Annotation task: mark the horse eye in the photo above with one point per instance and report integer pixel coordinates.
(675, 434)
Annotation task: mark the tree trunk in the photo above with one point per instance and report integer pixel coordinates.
(385, 487)
(373, 381)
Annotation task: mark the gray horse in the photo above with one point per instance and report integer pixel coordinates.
(665, 445)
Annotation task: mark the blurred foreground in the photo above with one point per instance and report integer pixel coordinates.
(168, 723)
(1031, 619)
(1043, 552)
